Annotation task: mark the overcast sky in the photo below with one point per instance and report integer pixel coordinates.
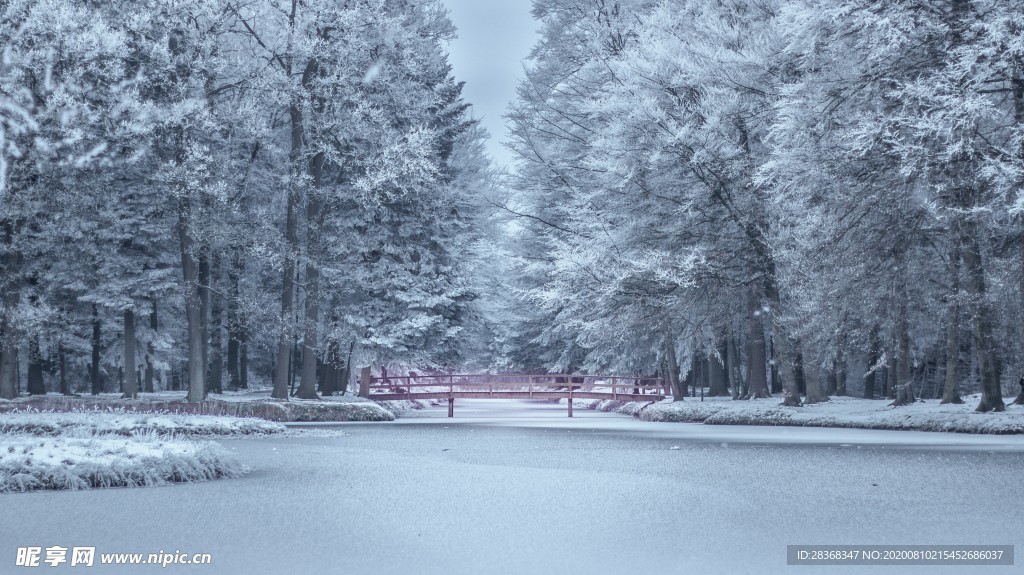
(494, 37)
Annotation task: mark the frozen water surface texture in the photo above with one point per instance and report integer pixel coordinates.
(518, 488)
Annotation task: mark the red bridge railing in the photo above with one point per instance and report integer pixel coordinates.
(514, 386)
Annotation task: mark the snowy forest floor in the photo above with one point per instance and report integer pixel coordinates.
(238, 404)
(842, 412)
(79, 450)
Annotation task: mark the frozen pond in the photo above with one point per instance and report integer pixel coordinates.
(519, 488)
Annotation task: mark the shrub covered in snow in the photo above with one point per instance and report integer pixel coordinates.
(839, 412)
(97, 422)
(31, 463)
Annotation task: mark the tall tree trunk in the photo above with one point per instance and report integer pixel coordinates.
(984, 345)
(193, 304)
(314, 228)
(756, 358)
(243, 361)
(205, 297)
(10, 284)
(889, 377)
(151, 348)
(789, 385)
(873, 377)
(812, 381)
(346, 376)
(841, 368)
(216, 383)
(94, 366)
(904, 383)
(1018, 118)
(234, 321)
(798, 368)
(951, 387)
(774, 381)
(832, 379)
(62, 359)
(291, 250)
(36, 385)
(331, 368)
(731, 366)
(719, 386)
(672, 368)
(131, 390)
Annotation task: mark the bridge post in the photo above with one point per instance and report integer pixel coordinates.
(570, 397)
(364, 382)
(451, 407)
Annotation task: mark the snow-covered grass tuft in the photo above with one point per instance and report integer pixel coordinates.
(400, 407)
(847, 412)
(123, 423)
(32, 463)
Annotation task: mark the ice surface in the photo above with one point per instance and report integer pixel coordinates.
(519, 488)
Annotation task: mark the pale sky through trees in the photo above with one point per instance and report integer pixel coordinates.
(494, 37)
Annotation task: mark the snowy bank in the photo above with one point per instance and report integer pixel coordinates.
(96, 422)
(30, 463)
(848, 412)
(258, 405)
(403, 406)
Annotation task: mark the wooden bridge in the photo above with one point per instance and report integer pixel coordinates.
(487, 386)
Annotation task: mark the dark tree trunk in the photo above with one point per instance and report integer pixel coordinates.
(731, 367)
(314, 226)
(1018, 117)
(36, 385)
(756, 361)
(798, 369)
(871, 377)
(154, 325)
(235, 328)
(774, 381)
(951, 387)
(832, 379)
(62, 360)
(94, 367)
(719, 386)
(216, 382)
(812, 382)
(904, 384)
(284, 350)
(890, 373)
(131, 390)
(984, 345)
(193, 304)
(243, 362)
(205, 298)
(332, 368)
(9, 284)
(346, 375)
(841, 376)
(789, 385)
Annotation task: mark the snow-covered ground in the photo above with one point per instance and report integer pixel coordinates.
(95, 422)
(926, 415)
(31, 463)
(518, 488)
(237, 404)
(78, 450)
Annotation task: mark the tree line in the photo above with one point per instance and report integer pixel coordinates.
(805, 197)
(193, 192)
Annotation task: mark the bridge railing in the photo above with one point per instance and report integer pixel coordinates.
(517, 386)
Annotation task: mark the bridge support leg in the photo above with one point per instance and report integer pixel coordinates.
(451, 407)
(570, 399)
